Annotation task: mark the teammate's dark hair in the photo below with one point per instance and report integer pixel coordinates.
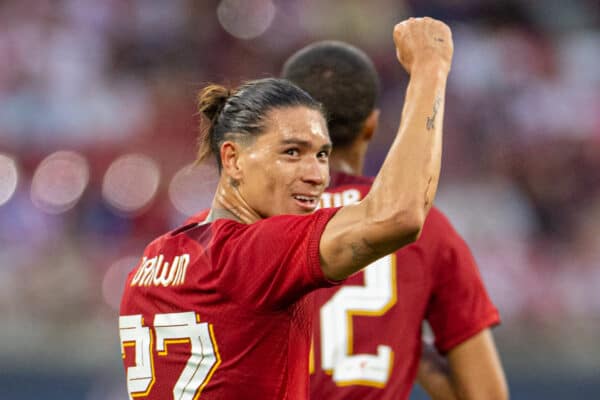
(343, 79)
(239, 114)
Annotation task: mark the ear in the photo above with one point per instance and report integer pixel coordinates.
(230, 159)
(370, 125)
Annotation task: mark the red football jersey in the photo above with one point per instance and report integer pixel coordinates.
(367, 332)
(218, 310)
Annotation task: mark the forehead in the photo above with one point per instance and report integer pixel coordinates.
(298, 123)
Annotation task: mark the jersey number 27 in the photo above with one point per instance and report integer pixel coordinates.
(168, 329)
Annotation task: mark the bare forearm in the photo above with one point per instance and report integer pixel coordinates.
(393, 213)
(404, 189)
(434, 375)
(476, 369)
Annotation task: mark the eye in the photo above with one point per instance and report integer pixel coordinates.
(293, 152)
(323, 155)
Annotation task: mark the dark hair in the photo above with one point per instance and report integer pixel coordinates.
(343, 79)
(239, 114)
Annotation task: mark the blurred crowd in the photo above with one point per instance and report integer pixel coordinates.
(98, 133)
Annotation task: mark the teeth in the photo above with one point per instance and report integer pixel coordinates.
(304, 198)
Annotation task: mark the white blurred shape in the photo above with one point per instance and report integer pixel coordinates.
(114, 279)
(130, 183)
(495, 219)
(192, 187)
(246, 19)
(579, 56)
(9, 176)
(478, 68)
(59, 181)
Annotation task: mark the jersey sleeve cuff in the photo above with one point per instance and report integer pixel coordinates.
(445, 345)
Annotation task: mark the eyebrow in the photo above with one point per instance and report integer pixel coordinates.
(304, 143)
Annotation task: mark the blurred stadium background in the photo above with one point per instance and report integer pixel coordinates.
(97, 133)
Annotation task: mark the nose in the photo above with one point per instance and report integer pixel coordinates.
(315, 171)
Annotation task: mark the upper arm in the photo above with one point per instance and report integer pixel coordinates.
(476, 369)
(271, 263)
(353, 239)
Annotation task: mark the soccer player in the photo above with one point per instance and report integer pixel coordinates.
(217, 310)
(367, 332)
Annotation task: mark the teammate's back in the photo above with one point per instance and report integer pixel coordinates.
(367, 332)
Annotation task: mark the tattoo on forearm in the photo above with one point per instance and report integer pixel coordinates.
(362, 251)
(431, 120)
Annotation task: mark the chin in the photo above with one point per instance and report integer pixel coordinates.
(303, 211)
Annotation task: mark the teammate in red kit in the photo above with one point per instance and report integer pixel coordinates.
(217, 309)
(367, 333)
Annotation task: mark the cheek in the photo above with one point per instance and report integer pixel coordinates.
(325, 173)
(279, 176)
(270, 184)
(255, 168)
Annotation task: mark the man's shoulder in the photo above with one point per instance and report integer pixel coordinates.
(340, 179)
(171, 239)
(438, 229)
(436, 218)
(345, 189)
(196, 218)
(289, 220)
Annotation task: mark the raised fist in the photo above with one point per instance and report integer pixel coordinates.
(423, 41)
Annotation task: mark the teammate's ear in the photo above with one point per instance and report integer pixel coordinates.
(370, 125)
(230, 159)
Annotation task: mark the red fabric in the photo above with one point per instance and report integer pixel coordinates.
(436, 280)
(248, 282)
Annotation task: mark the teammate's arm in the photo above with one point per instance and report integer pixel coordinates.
(434, 374)
(476, 370)
(393, 212)
(470, 371)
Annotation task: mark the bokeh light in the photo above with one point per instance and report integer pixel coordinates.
(192, 188)
(130, 183)
(246, 19)
(59, 181)
(9, 177)
(114, 279)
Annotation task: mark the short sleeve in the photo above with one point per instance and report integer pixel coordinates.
(272, 263)
(460, 306)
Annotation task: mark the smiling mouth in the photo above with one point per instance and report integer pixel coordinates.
(306, 202)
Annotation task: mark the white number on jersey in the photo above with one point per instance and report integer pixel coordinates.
(169, 329)
(373, 299)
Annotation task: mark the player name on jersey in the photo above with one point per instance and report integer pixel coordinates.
(339, 199)
(157, 272)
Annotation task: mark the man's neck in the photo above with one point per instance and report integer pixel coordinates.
(348, 160)
(228, 203)
(221, 213)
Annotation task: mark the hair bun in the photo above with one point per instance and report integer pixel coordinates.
(211, 101)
